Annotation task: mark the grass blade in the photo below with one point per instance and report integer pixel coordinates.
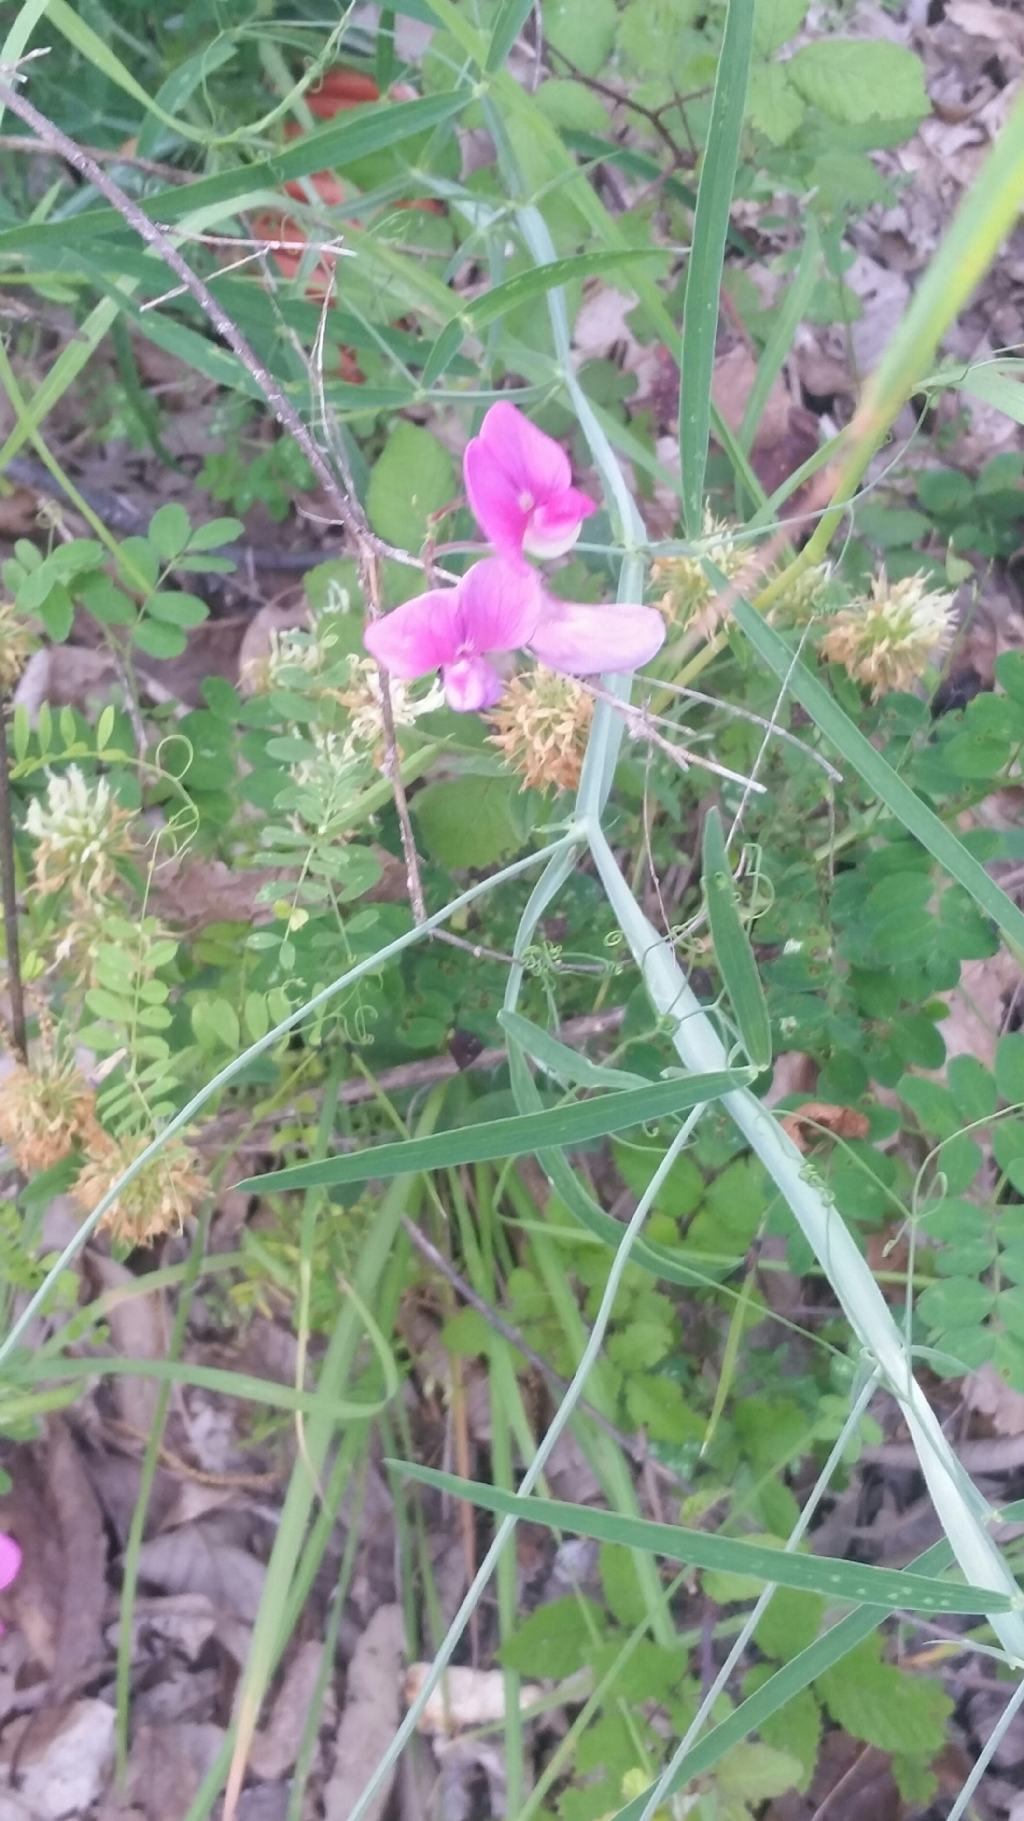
(733, 952)
(891, 1588)
(704, 275)
(569, 1067)
(523, 1135)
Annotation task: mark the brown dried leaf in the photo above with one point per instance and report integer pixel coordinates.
(844, 1122)
(276, 1746)
(64, 1758)
(372, 1711)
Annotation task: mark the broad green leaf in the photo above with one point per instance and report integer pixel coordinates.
(836, 1580)
(733, 952)
(521, 1136)
(885, 1706)
(467, 821)
(567, 1066)
(412, 478)
(583, 30)
(773, 105)
(775, 21)
(857, 81)
(704, 272)
(654, 35)
(877, 773)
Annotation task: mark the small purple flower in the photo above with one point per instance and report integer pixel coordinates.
(520, 487)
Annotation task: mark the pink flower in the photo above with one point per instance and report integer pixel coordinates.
(520, 487)
(501, 607)
(10, 1562)
(494, 608)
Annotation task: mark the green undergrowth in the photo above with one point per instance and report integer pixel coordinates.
(804, 821)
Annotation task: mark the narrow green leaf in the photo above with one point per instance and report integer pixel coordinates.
(835, 1580)
(704, 274)
(876, 772)
(733, 952)
(512, 16)
(523, 1135)
(557, 1059)
(338, 143)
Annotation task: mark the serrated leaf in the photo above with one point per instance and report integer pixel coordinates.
(890, 1708)
(775, 21)
(773, 105)
(856, 81)
(557, 1636)
(754, 1773)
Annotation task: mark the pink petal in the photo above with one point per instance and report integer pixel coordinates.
(494, 499)
(584, 640)
(500, 604)
(471, 684)
(554, 525)
(509, 469)
(419, 636)
(531, 459)
(10, 1559)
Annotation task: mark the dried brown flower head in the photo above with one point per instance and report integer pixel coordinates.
(690, 601)
(15, 647)
(155, 1202)
(886, 640)
(541, 725)
(44, 1112)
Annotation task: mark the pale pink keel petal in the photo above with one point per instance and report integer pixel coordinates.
(419, 636)
(519, 484)
(585, 640)
(470, 684)
(555, 525)
(500, 604)
(10, 1560)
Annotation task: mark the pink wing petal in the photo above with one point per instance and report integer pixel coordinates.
(494, 499)
(10, 1559)
(419, 636)
(533, 461)
(584, 640)
(501, 604)
(471, 684)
